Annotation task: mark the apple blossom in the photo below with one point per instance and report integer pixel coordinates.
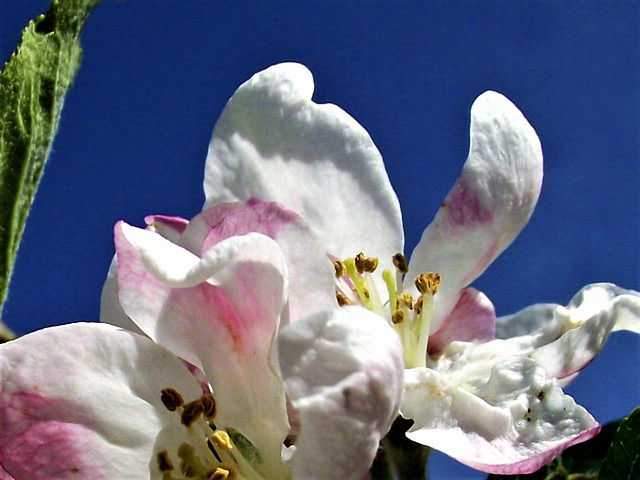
(98, 401)
(493, 404)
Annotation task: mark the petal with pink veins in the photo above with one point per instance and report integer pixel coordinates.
(273, 143)
(220, 313)
(311, 274)
(344, 373)
(488, 205)
(472, 319)
(83, 401)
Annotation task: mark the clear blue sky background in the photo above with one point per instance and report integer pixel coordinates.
(156, 75)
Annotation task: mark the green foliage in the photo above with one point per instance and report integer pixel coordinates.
(245, 447)
(623, 458)
(580, 462)
(33, 84)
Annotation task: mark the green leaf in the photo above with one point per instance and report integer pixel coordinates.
(580, 462)
(33, 84)
(245, 447)
(623, 458)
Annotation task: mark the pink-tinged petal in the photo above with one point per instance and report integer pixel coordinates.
(507, 418)
(344, 373)
(311, 286)
(489, 204)
(169, 227)
(83, 401)
(110, 309)
(274, 143)
(220, 313)
(472, 319)
(4, 475)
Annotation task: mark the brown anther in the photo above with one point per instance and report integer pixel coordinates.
(209, 407)
(398, 316)
(400, 263)
(187, 470)
(164, 463)
(366, 293)
(405, 300)
(342, 299)
(366, 264)
(339, 269)
(428, 283)
(191, 411)
(171, 399)
(418, 305)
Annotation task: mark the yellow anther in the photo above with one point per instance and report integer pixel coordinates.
(365, 264)
(171, 399)
(221, 439)
(221, 473)
(405, 300)
(164, 463)
(428, 283)
(400, 263)
(339, 269)
(418, 305)
(342, 299)
(398, 316)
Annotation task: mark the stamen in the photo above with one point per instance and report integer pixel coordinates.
(400, 262)
(365, 264)
(209, 406)
(191, 465)
(221, 440)
(358, 281)
(342, 299)
(398, 316)
(405, 300)
(164, 463)
(418, 305)
(339, 268)
(191, 411)
(221, 473)
(171, 399)
(428, 282)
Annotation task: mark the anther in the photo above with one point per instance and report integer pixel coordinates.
(400, 263)
(171, 399)
(221, 440)
(191, 411)
(339, 268)
(220, 474)
(342, 299)
(418, 305)
(405, 300)
(164, 463)
(365, 264)
(428, 283)
(209, 408)
(398, 316)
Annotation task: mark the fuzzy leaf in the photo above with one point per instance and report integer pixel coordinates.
(33, 84)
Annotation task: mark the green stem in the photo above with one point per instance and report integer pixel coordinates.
(409, 459)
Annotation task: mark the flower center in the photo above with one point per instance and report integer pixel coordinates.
(411, 319)
(211, 452)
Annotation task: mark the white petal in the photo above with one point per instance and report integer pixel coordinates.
(274, 144)
(83, 401)
(565, 339)
(513, 419)
(344, 373)
(489, 204)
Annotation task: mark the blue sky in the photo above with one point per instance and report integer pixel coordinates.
(156, 75)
